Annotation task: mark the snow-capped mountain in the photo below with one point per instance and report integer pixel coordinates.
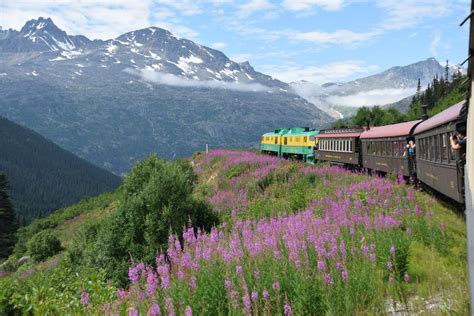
(387, 87)
(114, 101)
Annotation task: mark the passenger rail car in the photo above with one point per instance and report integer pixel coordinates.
(438, 165)
(383, 148)
(339, 146)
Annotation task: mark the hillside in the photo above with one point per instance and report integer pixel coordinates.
(44, 177)
(292, 237)
(113, 102)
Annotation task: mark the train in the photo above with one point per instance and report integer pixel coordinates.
(384, 149)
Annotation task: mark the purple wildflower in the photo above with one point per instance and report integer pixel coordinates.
(265, 294)
(406, 277)
(188, 311)
(287, 310)
(154, 310)
(85, 299)
(254, 295)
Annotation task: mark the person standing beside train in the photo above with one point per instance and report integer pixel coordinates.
(458, 142)
(410, 152)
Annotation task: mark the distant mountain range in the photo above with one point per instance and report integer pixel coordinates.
(44, 177)
(387, 87)
(113, 102)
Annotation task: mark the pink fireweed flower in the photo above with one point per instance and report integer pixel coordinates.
(254, 295)
(442, 226)
(85, 298)
(188, 311)
(154, 310)
(239, 270)
(372, 257)
(276, 286)
(321, 265)
(344, 275)
(132, 312)
(246, 302)
(390, 265)
(328, 279)
(392, 250)
(406, 277)
(265, 294)
(287, 310)
(106, 308)
(151, 283)
(121, 293)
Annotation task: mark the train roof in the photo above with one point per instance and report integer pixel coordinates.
(340, 133)
(450, 114)
(392, 130)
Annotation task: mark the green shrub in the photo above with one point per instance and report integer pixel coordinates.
(157, 197)
(43, 245)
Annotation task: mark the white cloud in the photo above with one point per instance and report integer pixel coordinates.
(252, 6)
(218, 45)
(186, 7)
(435, 43)
(339, 37)
(298, 5)
(93, 19)
(407, 13)
(372, 97)
(339, 71)
(173, 80)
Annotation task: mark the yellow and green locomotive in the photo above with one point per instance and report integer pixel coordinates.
(296, 142)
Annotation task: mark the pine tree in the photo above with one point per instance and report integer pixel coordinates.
(418, 88)
(446, 73)
(8, 222)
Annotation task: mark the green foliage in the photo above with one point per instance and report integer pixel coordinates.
(44, 177)
(157, 197)
(55, 219)
(8, 222)
(54, 292)
(236, 170)
(439, 95)
(44, 245)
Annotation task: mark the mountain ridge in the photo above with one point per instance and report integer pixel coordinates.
(113, 102)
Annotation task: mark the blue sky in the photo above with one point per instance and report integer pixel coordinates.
(314, 40)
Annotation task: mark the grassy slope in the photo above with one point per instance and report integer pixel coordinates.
(437, 278)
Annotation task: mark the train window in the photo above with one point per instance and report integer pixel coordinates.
(436, 147)
(396, 149)
(285, 140)
(350, 145)
(383, 146)
(344, 145)
(305, 139)
(389, 148)
(444, 148)
(452, 157)
(276, 140)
